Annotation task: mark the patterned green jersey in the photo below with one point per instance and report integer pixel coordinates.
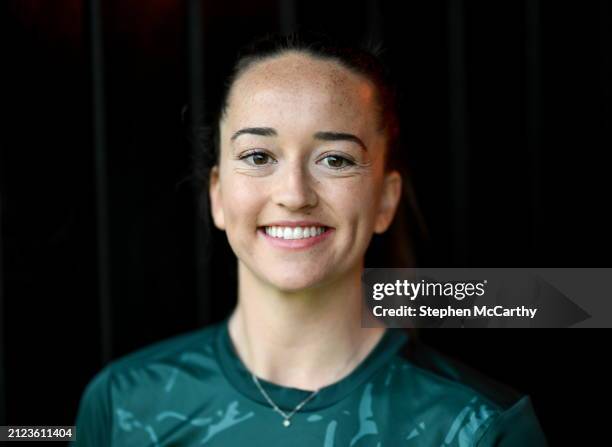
(193, 390)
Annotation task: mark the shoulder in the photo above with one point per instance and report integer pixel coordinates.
(444, 374)
(473, 408)
(174, 347)
(167, 350)
(170, 351)
(145, 368)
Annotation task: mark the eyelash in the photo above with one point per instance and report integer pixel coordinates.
(348, 161)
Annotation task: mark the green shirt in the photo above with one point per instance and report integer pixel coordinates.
(193, 390)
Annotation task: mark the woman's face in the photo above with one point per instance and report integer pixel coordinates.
(300, 147)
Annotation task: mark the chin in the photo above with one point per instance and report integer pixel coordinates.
(293, 283)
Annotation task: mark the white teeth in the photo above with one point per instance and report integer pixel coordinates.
(294, 232)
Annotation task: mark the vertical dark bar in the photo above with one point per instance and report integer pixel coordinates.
(196, 92)
(533, 115)
(605, 67)
(458, 129)
(604, 134)
(288, 15)
(374, 21)
(2, 325)
(101, 185)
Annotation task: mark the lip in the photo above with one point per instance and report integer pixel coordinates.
(296, 244)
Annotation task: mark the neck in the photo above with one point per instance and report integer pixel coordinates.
(305, 339)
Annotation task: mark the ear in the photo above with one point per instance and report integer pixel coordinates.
(390, 197)
(216, 198)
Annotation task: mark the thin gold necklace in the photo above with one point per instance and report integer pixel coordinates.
(287, 416)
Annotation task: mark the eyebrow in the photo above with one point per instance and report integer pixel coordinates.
(263, 131)
(325, 136)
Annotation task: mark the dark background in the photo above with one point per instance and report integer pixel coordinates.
(506, 115)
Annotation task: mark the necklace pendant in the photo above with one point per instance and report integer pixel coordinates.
(286, 423)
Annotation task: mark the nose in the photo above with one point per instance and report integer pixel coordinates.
(294, 187)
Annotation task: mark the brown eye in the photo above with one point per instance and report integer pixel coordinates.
(256, 158)
(260, 159)
(337, 162)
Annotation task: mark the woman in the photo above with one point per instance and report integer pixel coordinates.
(303, 176)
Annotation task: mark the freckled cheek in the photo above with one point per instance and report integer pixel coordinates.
(356, 204)
(242, 205)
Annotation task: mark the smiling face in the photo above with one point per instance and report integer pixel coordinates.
(300, 142)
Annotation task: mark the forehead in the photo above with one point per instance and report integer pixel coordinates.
(298, 85)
